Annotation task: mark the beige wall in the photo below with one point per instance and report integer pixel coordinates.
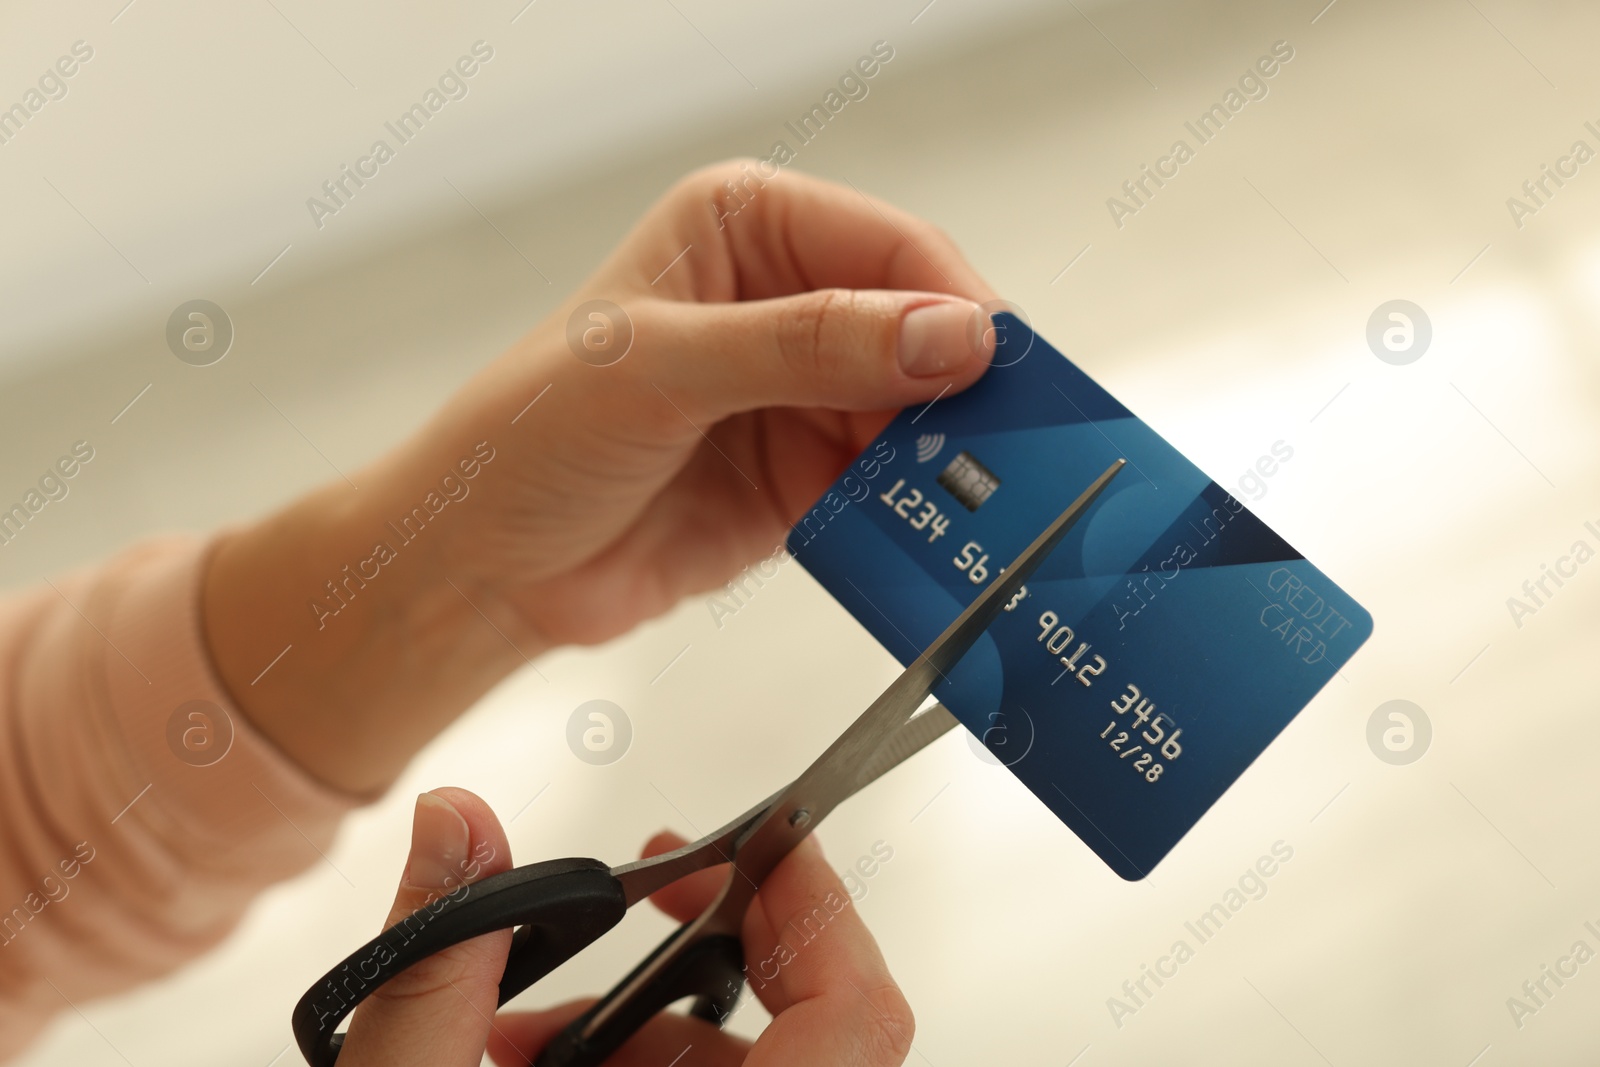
(1230, 313)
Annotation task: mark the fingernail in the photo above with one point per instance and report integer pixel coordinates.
(439, 843)
(934, 338)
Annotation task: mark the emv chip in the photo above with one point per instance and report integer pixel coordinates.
(968, 481)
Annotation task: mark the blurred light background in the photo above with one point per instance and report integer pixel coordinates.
(1230, 312)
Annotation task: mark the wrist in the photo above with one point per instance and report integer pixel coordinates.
(337, 633)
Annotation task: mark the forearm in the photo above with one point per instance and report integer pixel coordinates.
(342, 631)
(127, 850)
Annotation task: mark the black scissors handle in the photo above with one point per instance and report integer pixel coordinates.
(559, 908)
(562, 906)
(711, 970)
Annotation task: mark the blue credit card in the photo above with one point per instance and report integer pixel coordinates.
(1147, 661)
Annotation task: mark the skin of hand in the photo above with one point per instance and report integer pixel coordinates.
(832, 998)
(779, 342)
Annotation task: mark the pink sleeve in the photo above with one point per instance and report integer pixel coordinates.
(119, 859)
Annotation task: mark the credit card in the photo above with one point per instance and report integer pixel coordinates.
(1150, 658)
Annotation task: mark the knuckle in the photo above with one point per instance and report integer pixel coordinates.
(447, 975)
(889, 1028)
(810, 332)
(426, 982)
(935, 239)
(935, 234)
(705, 182)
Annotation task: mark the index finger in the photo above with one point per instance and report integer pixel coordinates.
(817, 968)
(747, 229)
(811, 961)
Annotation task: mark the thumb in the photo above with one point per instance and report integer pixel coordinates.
(847, 349)
(440, 1011)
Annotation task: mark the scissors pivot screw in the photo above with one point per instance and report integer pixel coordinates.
(800, 817)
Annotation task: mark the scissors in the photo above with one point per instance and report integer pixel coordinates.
(559, 907)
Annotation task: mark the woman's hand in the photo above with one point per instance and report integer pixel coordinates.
(762, 361)
(772, 329)
(831, 997)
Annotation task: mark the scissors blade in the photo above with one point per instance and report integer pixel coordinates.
(836, 774)
(904, 743)
(642, 877)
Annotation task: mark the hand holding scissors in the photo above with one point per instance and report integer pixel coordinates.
(560, 906)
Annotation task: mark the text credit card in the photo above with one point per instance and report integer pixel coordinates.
(1150, 658)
